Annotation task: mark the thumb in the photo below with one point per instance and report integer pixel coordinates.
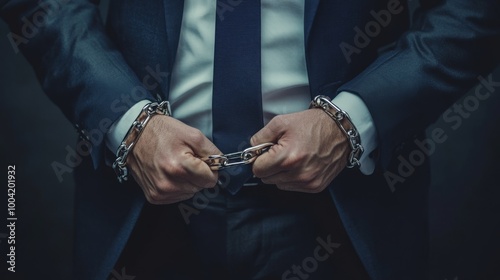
(269, 133)
(208, 148)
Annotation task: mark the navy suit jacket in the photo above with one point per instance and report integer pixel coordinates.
(406, 76)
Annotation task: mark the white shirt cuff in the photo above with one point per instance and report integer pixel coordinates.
(363, 121)
(119, 129)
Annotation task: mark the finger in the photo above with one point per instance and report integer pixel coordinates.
(169, 190)
(284, 185)
(201, 145)
(173, 198)
(173, 185)
(269, 133)
(291, 187)
(292, 180)
(294, 186)
(270, 162)
(208, 148)
(287, 177)
(299, 187)
(199, 173)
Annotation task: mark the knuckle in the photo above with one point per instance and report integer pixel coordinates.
(289, 164)
(175, 168)
(305, 178)
(154, 201)
(161, 187)
(154, 197)
(279, 120)
(284, 187)
(166, 193)
(267, 181)
(293, 159)
(197, 136)
(314, 190)
(315, 186)
(277, 123)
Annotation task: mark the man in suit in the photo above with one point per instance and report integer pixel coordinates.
(393, 80)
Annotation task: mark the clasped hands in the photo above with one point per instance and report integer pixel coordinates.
(310, 151)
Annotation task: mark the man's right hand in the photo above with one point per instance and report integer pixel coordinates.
(166, 162)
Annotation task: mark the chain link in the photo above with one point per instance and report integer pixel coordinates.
(340, 116)
(148, 111)
(247, 156)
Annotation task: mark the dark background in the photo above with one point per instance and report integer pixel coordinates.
(464, 198)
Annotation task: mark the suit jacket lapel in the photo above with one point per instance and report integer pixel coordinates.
(173, 20)
(311, 6)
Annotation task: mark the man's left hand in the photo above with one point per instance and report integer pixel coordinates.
(310, 151)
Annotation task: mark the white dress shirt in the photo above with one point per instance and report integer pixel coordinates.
(285, 85)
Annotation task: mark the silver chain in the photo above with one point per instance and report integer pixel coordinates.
(338, 115)
(247, 156)
(148, 111)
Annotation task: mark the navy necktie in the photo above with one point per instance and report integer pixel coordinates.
(237, 97)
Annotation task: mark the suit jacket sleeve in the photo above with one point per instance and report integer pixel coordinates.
(77, 65)
(449, 45)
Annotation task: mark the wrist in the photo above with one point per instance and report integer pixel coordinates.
(344, 122)
(133, 135)
(118, 130)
